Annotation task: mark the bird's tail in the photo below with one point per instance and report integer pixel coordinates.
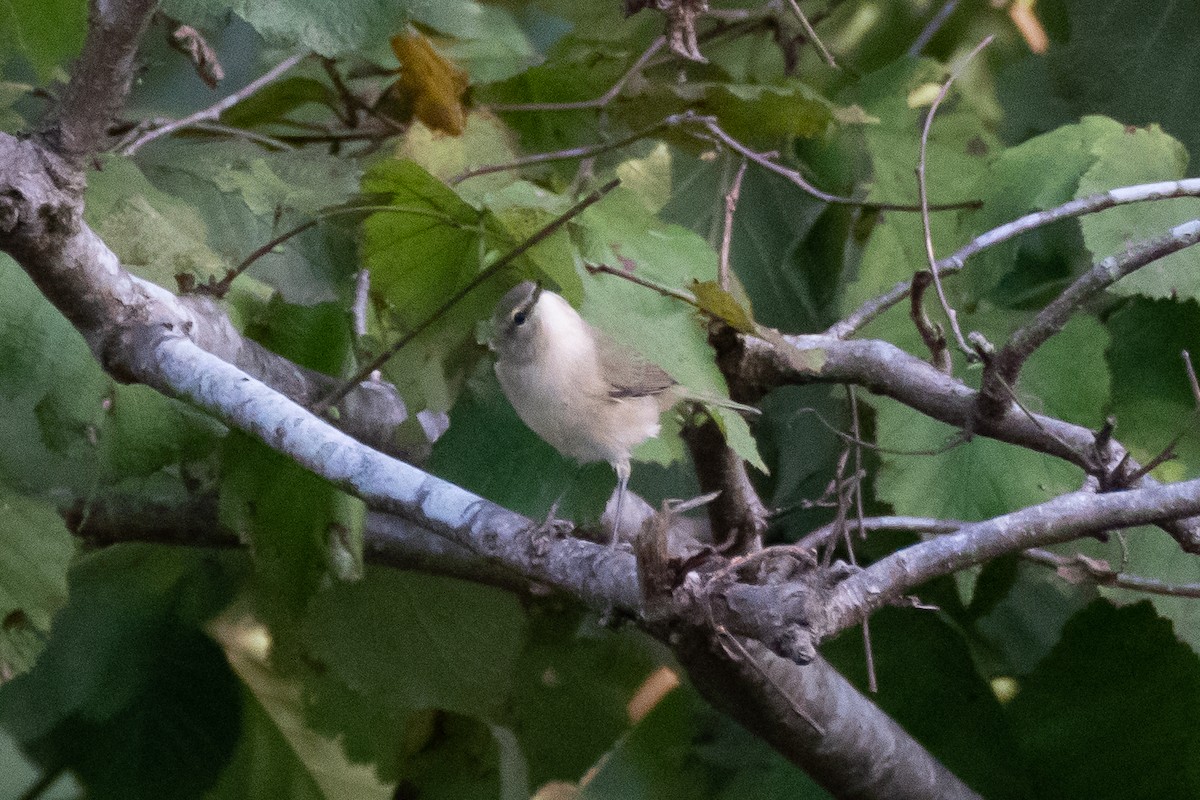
(725, 402)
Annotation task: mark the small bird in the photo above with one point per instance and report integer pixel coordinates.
(572, 384)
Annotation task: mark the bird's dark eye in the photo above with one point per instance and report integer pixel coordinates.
(519, 318)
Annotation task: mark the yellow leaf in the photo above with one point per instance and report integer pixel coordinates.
(429, 84)
(712, 299)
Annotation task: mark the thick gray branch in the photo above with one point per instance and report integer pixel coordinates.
(42, 227)
(1059, 520)
(885, 369)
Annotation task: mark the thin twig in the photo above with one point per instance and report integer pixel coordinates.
(723, 635)
(666, 291)
(1100, 572)
(812, 34)
(569, 153)
(731, 201)
(350, 101)
(221, 287)
(1191, 374)
(956, 440)
(1101, 201)
(860, 516)
(1168, 453)
(934, 25)
(214, 111)
(1024, 409)
(764, 161)
(839, 520)
(545, 232)
(932, 334)
(880, 524)
(240, 133)
(598, 102)
(923, 192)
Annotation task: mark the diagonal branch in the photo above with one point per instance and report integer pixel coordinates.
(213, 112)
(101, 78)
(142, 333)
(1005, 366)
(1141, 193)
(1062, 519)
(758, 364)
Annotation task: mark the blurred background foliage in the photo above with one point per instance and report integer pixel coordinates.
(285, 670)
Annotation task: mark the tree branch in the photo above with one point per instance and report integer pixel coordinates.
(1003, 369)
(758, 365)
(1062, 519)
(42, 227)
(213, 112)
(955, 262)
(101, 78)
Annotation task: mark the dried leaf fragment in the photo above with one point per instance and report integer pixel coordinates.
(431, 86)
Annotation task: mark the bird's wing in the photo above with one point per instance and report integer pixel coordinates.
(627, 372)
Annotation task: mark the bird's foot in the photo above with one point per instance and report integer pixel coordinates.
(552, 526)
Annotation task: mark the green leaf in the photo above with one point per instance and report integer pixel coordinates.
(130, 694)
(155, 235)
(484, 142)
(1147, 552)
(309, 24)
(296, 523)
(275, 101)
(1131, 156)
(19, 775)
(278, 753)
(761, 113)
(11, 120)
(265, 764)
(649, 177)
(953, 713)
(419, 255)
(1039, 174)
(714, 300)
(1022, 626)
(486, 40)
(984, 477)
(68, 425)
(45, 32)
(958, 151)
(34, 555)
(417, 641)
(246, 197)
(572, 686)
(1152, 399)
(1125, 59)
(424, 249)
(792, 286)
(1093, 720)
(570, 74)
(683, 748)
(738, 436)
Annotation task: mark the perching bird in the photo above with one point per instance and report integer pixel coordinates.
(589, 397)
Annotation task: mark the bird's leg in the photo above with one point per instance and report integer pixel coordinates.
(622, 469)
